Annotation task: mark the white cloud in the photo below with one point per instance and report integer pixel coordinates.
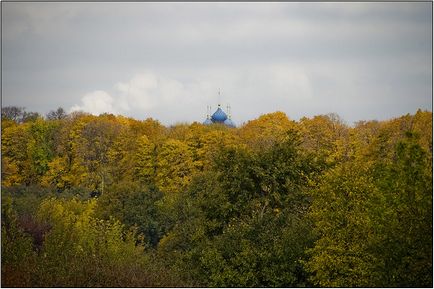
(170, 100)
(96, 102)
(148, 90)
(146, 94)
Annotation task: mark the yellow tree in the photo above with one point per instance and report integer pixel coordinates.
(153, 129)
(325, 136)
(204, 140)
(121, 155)
(174, 166)
(212, 142)
(390, 132)
(145, 165)
(192, 136)
(15, 163)
(422, 125)
(266, 130)
(56, 174)
(178, 131)
(361, 137)
(95, 141)
(66, 169)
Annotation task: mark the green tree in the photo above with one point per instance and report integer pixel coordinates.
(135, 206)
(404, 224)
(374, 221)
(83, 251)
(40, 148)
(341, 256)
(235, 224)
(18, 258)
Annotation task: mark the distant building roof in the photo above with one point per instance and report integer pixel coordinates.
(229, 123)
(207, 121)
(219, 115)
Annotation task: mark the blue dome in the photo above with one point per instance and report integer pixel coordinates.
(219, 116)
(229, 123)
(207, 121)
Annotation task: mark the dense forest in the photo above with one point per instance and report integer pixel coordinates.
(91, 201)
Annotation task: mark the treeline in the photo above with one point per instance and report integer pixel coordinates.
(91, 201)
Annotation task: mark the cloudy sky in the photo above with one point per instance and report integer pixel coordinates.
(168, 60)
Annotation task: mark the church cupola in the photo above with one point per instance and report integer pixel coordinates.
(219, 116)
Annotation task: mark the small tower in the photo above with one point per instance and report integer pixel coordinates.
(229, 121)
(208, 119)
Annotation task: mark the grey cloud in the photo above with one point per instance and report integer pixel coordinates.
(361, 60)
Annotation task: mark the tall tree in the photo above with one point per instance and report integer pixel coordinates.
(145, 161)
(15, 161)
(374, 221)
(236, 223)
(326, 136)
(13, 113)
(96, 139)
(174, 166)
(57, 114)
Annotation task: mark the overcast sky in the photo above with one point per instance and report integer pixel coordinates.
(167, 60)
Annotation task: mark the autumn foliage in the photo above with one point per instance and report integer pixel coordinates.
(110, 201)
